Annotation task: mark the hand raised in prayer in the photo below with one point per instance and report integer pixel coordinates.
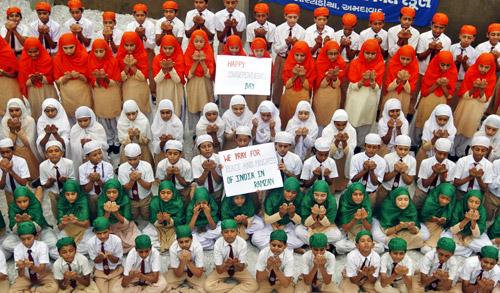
(401, 270)
(283, 210)
(272, 123)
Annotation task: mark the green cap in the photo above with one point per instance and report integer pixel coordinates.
(22, 191)
(279, 235)
(446, 243)
(200, 194)
(26, 228)
(318, 240)
(489, 251)
(229, 224)
(321, 186)
(363, 233)
(65, 242)
(142, 242)
(71, 185)
(183, 231)
(101, 224)
(397, 244)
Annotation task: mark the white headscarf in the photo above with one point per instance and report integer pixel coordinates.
(232, 121)
(60, 121)
(431, 124)
(141, 122)
(304, 144)
(492, 120)
(330, 130)
(27, 123)
(392, 104)
(263, 133)
(201, 127)
(160, 127)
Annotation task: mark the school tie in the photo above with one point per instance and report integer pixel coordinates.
(394, 264)
(189, 273)
(321, 177)
(135, 191)
(143, 271)
(434, 284)
(281, 171)
(72, 283)
(433, 51)
(105, 264)
(395, 184)
(457, 63)
(33, 276)
(210, 182)
(289, 45)
(479, 277)
(364, 263)
(231, 270)
(173, 178)
(12, 183)
(97, 187)
(375, 36)
(471, 183)
(364, 181)
(229, 32)
(272, 278)
(58, 177)
(492, 49)
(13, 42)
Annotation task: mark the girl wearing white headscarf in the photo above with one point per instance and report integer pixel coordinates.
(343, 142)
(133, 126)
(238, 115)
(304, 128)
(166, 126)
(21, 128)
(53, 124)
(210, 123)
(391, 124)
(266, 122)
(490, 128)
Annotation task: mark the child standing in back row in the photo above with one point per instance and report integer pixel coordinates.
(229, 21)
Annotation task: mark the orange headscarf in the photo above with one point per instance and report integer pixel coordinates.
(13, 9)
(139, 53)
(260, 43)
(8, 61)
(323, 63)
(473, 73)
(108, 62)
(77, 62)
(177, 57)
(75, 4)
(207, 49)
(233, 41)
(43, 6)
(434, 72)
(359, 65)
(28, 66)
(395, 66)
(308, 63)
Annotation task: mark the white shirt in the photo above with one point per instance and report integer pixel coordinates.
(208, 15)
(104, 168)
(355, 260)
(39, 252)
(286, 257)
(196, 254)
(184, 169)
(469, 51)
(423, 44)
(116, 36)
(20, 167)
(80, 265)
(391, 159)
(392, 38)
(370, 34)
(494, 187)
(150, 42)
(268, 26)
(425, 171)
(177, 30)
(146, 174)
(466, 163)
(386, 264)
(354, 37)
(54, 32)
(357, 162)
(292, 162)
(48, 170)
(3, 263)
(222, 15)
(471, 269)
(22, 29)
(113, 244)
(487, 47)
(87, 28)
(196, 166)
(133, 262)
(281, 34)
(430, 263)
(308, 259)
(312, 33)
(313, 163)
(221, 250)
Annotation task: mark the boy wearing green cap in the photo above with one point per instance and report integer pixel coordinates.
(481, 273)
(396, 269)
(230, 257)
(72, 270)
(141, 271)
(186, 261)
(32, 262)
(106, 251)
(319, 267)
(275, 265)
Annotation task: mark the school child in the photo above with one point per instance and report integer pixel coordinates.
(290, 164)
(243, 136)
(141, 272)
(320, 166)
(169, 24)
(9, 70)
(304, 128)
(202, 217)
(376, 31)
(275, 265)
(206, 167)
(475, 92)
(4, 278)
(32, 262)
(432, 42)
(166, 126)
(241, 208)
(318, 34)
(230, 258)
(491, 198)
(318, 212)
(463, 53)
(298, 77)
(368, 167)
(286, 35)
(36, 75)
(200, 72)
(105, 80)
(330, 68)
(282, 212)
(403, 33)
(362, 266)
(186, 261)
(110, 33)
(72, 270)
(93, 173)
(258, 50)
(71, 74)
(80, 26)
(137, 177)
(14, 31)
(494, 232)
(347, 38)
(45, 29)
(492, 45)
(106, 251)
(238, 115)
(402, 76)
(20, 127)
(232, 47)
(212, 124)
(266, 122)
(365, 81)
(229, 21)
(168, 71)
(481, 273)
(396, 269)
(391, 125)
(14, 169)
(53, 125)
(133, 127)
(261, 27)
(398, 217)
(489, 128)
(133, 63)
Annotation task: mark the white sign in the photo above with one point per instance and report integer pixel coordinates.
(249, 169)
(243, 75)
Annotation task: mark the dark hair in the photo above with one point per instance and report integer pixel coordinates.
(81, 9)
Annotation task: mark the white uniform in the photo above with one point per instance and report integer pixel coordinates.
(282, 32)
(312, 33)
(423, 44)
(54, 32)
(391, 159)
(87, 28)
(150, 42)
(208, 15)
(392, 38)
(184, 169)
(469, 51)
(357, 162)
(268, 26)
(370, 34)
(354, 37)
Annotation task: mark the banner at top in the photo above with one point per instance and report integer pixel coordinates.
(362, 8)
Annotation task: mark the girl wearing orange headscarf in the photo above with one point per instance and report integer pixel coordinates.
(402, 76)
(259, 50)
(233, 47)
(36, 77)
(71, 74)
(8, 75)
(168, 72)
(133, 63)
(330, 67)
(365, 81)
(200, 70)
(299, 74)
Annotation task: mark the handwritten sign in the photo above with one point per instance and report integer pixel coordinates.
(243, 75)
(250, 169)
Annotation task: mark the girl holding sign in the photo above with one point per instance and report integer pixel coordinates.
(232, 47)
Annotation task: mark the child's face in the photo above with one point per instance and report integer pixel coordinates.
(478, 152)
(289, 195)
(440, 155)
(443, 255)
(397, 256)
(27, 240)
(371, 149)
(483, 69)
(444, 66)
(242, 140)
(229, 235)
(71, 196)
(109, 23)
(357, 196)
(200, 5)
(238, 109)
(487, 263)
(442, 120)
(15, 17)
(140, 16)
(402, 202)
(320, 21)
(50, 112)
(132, 115)
(199, 42)
(144, 253)
(103, 235)
(319, 197)
(259, 53)
(406, 21)
(239, 200)
(129, 47)
(99, 53)
(43, 15)
(494, 37)
(490, 131)
(95, 157)
(184, 242)
(6, 153)
(23, 202)
(404, 60)
(322, 156)
(377, 25)
(234, 50)
(473, 203)
(168, 50)
(211, 116)
(332, 54)
(369, 56)
(15, 112)
(277, 247)
(261, 18)
(166, 114)
(166, 195)
(206, 149)
(303, 115)
(54, 154)
(402, 150)
(169, 14)
(291, 19)
(443, 200)
(33, 52)
(340, 125)
(68, 253)
(394, 114)
(299, 57)
(134, 161)
(347, 30)
(76, 13)
(173, 156)
(282, 148)
(466, 40)
(69, 49)
(365, 244)
(230, 5)
(265, 116)
(318, 251)
(112, 194)
(437, 29)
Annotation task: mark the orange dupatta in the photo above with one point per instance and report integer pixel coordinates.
(177, 57)
(41, 64)
(209, 55)
(308, 63)
(473, 73)
(8, 60)
(434, 72)
(395, 66)
(323, 63)
(108, 63)
(139, 53)
(359, 65)
(77, 62)
(233, 41)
